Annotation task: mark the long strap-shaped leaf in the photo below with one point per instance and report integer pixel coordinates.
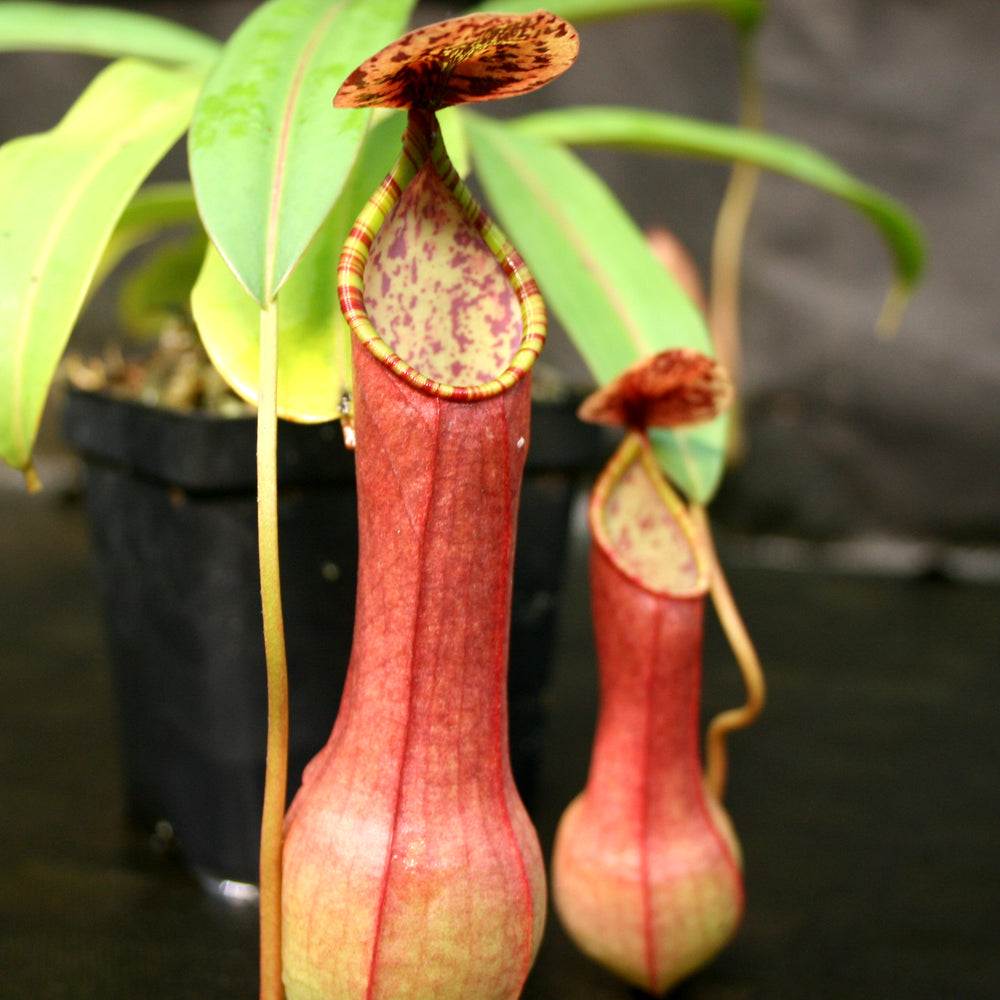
(61, 194)
(268, 153)
(597, 274)
(745, 14)
(101, 31)
(654, 132)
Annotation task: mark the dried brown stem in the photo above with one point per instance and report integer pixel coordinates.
(727, 243)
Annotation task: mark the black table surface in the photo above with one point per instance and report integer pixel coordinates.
(867, 798)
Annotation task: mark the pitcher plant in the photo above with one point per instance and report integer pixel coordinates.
(411, 868)
(646, 865)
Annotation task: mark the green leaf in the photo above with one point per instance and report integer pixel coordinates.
(157, 207)
(313, 338)
(158, 290)
(154, 208)
(596, 273)
(654, 132)
(61, 194)
(454, 138)
(269, 153)
(745, 14)
(101, 31)
(311, 333)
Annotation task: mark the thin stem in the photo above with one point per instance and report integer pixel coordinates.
(716, 758)
(730, 234)
(275, 781)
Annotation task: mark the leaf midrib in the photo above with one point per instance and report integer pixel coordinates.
(281, 160)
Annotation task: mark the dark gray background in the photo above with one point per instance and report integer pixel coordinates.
(866, 797)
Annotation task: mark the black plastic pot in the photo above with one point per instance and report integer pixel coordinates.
(171, 500)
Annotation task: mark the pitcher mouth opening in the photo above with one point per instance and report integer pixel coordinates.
(380, 237)
(643, 526)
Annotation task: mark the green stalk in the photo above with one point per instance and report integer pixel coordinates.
(276, 775)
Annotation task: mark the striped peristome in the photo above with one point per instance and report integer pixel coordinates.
(423, 148)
